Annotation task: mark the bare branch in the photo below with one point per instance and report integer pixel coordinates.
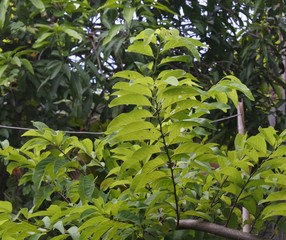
(216, 229)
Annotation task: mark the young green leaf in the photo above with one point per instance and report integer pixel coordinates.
(39, 4)
(131, 99)
(258, 143)
(141, 48)
(5, 207)
(3, 9)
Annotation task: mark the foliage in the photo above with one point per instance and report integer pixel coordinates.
(56, 57)
(154, 166)
(246, 39)
(56, 60)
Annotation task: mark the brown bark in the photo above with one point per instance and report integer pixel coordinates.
(216, 229)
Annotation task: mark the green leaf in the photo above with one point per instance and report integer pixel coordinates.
(139, 135)
(110, 4)
(40, 39)
(250, 204)
(37, 236)
(233, 97)
(72, 33)
(134, 127)
(269, 134)
(202, 122)
(128, 216)
(152, 165)
(18, 231)
(258, 143)
(119, 183)
(172, 81)
(5, 207)
(74, 232)
(40, 44)
(87, 146)
(132, 88)
(175, 94)
(128, 74)
(234, 83)
(59, 226)
(115, 29)
(145, 151)
(102, 228)
(4, 144)
(3, 9)
(189, 123)
(141, 48)
(42, 194)
(277, 209)
(164, 8)
(16, 61)
(218, 88)
(126, 118)
(232, 188)
(226, 199)
(140, 181)
(92, 222)
(192, 213)
(182, 42)
(275, 196)
(60, 237)
(27, 64)
(40, 169)
(280, 151)
(174, 43)
(86, 188)
(178, 73)
(146, 35)
(40, 126)
(128, 13)
(59, 164)
(182, 58)
(143, 154)
(233, 174)
(276, 179)
(240, 141)
(191, 147)
(38, 4)
(131, 99)
(2, 70)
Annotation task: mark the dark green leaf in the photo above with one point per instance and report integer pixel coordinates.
(86, 188)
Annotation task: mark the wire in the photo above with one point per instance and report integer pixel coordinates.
(70, 132)
(226, 118)
(96, 133)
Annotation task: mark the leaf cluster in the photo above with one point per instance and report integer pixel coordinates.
(154, 167)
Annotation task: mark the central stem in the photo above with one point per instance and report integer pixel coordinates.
(169, 164)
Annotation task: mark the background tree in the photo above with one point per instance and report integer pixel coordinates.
(57, 57)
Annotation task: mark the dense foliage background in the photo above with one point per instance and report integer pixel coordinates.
(57, 56)
(57, 59)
